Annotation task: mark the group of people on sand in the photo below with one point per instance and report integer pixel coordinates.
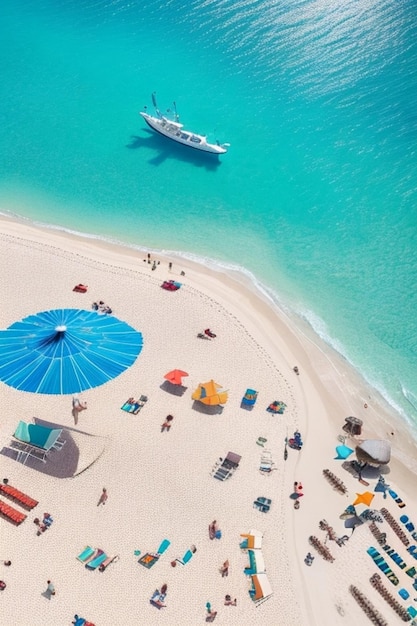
(44, 524)
(102, 308)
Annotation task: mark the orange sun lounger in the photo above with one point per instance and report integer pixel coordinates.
(19, 496)
(11, 514)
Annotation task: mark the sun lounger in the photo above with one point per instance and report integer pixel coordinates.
(164, 546)
(88, 552)
(187, 557)
(11, 514)
(19, 496)
(106, 563)
(98, 560)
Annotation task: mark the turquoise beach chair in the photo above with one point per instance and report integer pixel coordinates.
(187, 557)
(164, 546)
(85, 554)
(100, 558)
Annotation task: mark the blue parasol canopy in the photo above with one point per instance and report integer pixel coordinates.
(66, 351)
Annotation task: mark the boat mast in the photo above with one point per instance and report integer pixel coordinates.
(176, 116)
(157, 111)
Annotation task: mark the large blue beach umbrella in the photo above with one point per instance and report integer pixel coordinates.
(66, 351)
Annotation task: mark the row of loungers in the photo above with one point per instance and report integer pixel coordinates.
(367, 607)
(260, 589)
(11, 513)
(376, 582)
(20, 497)
(382, 565)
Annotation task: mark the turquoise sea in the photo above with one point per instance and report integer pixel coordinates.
(315, 200)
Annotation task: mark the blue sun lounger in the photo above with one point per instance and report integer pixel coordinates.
(85, 554)
(164, 546)
(187, 557)
(94, 564)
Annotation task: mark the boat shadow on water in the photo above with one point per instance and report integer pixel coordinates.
(167, 149)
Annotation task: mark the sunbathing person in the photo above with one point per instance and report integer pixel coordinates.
(229, 602)
(209, 333)
(214, 532)
(158, 597)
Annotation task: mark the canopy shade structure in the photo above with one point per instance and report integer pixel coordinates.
(66, 351)
(175, 377)
(253, 539)
(210, 393)
(261, 587)
(374, 452)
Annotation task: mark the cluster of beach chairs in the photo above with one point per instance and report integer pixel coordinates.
(376, 582)
(395, 526)
(379, 536)
(367, 607)
(331, 534)
(321, 548)
(380, 562)
(95, 558)
(260, 588)
(23, 500)
(335, 482)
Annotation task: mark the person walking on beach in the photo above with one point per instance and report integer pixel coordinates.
(103, 497)
(224, 570)
(167, 424)
(50, 590)
(211, 615)
(77, 407)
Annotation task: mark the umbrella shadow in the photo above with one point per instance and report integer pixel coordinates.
(167, 149)
(206, 408)
(174, 390)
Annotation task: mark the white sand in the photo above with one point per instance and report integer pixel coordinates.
(159, 484)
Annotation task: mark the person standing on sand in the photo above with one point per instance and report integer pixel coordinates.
(103, 497)
(167, 424)
(224, 570)
(50, 590)
(77, 407)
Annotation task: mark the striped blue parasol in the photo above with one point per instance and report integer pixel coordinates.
(66, 351)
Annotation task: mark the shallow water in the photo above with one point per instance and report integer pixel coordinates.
(316, 197)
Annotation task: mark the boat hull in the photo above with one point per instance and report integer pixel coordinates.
(174, 131)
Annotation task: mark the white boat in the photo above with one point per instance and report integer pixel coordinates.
(174, 130)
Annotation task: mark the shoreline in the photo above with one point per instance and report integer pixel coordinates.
(236, 278)
(257, 345)
(244, 277)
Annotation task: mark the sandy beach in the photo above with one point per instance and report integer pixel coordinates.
(160, 484)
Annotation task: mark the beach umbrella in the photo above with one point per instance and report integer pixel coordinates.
(374, 452)
(66, 351)
(364, 498)
(175, 377)
(210, 393)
